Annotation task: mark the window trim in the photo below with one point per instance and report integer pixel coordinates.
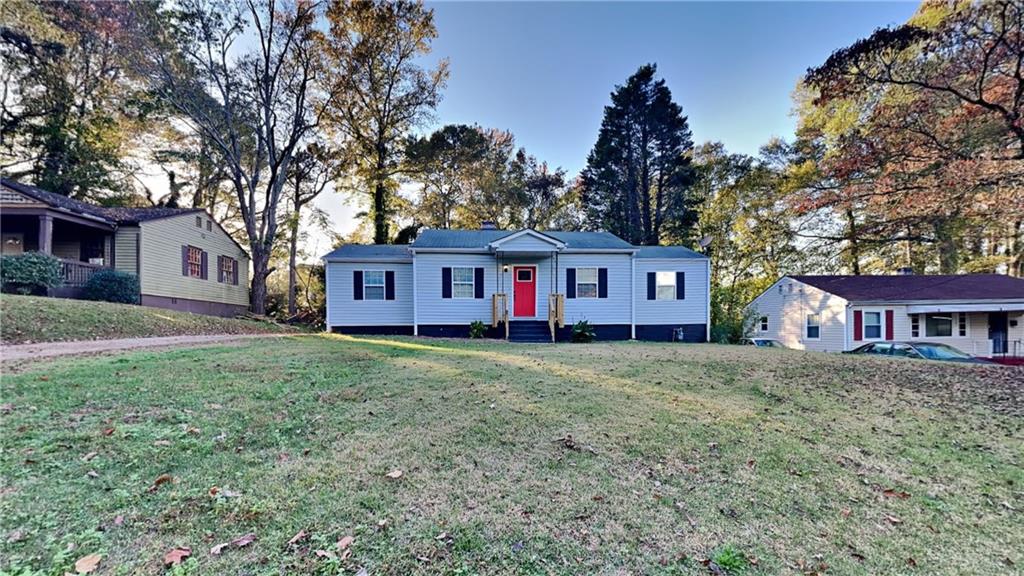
(596, 283)
(881, 325)
(199, 222)
(383, 285)
(915, 325)
(953, 325)
(658, 284)
(471, 283)
(223, 271)
(963, 326)
(763, 325)
(195, 269)
(807, 326)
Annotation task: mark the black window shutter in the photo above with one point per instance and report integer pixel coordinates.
(652, 286)
(570, 282)
(478, 283)
(184, 260)
(389, 284)
(357, 284)
(203, 266)
(220, 269)
(680, 285)
(234, 266)
(602, 282)
(446, 282)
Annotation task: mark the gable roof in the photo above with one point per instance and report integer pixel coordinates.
(398, 252)
(526, 232)
(667, 252)
(903, 288)
(118, 215)
(480, 239)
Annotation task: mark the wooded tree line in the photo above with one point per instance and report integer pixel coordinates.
(909, 149)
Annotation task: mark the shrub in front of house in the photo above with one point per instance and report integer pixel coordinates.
(477, 329)
(582, 332)
(112, 286)
(30, 273)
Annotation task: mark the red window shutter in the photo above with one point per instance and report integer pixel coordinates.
(858, 325)
(888, 324)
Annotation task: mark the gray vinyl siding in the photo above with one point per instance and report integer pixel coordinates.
(344, 310)
(693, 309)
(527, 243)
(433, 309)
(787, 304)
(161, 243)
(126, 249)
(615, 309)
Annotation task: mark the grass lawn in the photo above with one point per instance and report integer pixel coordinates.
(620, 458)
(35, 319)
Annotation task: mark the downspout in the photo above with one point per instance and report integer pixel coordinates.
(846, 328)
(415, 301)
(707, 313)
(632, 296)
(327, 292)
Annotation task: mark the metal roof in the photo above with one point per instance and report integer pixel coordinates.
(903, 288)
(479, 239)
(370, 252)
(667, 252)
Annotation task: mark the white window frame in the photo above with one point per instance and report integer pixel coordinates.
(881, 325)
(915, 325)
(658, 285)
(595, 283)
(463, 283)
(763, 324)
(807, 325)
(963, 326)
(382, 285)
(195, 268)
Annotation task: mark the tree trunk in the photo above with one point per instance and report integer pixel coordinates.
(258, 292)
(380, 216)
(949, 255)
(854, 251)
(293, 273)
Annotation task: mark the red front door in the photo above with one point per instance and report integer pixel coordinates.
(524, 291)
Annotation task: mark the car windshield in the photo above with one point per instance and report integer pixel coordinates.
(940, 352)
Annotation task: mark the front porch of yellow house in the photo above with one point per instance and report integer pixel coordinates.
(83, 244)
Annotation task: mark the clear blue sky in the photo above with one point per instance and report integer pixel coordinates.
(544, 71)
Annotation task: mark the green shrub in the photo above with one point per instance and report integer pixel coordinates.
(582, 332)
(30, 273)
(477, 329)
(112, 286)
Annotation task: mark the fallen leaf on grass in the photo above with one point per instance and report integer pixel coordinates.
(90, 456)
(300, 535)
(325, 554)
(118, 520)
(891, 493)
(216, 550)
(177, 555)
(345, 542)
(108, 431)
(244, 540)
(161, 479)
(394, 474)
(892, 519)
(87, 564)
(162, 443)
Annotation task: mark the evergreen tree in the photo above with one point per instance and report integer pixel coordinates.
(638, 176)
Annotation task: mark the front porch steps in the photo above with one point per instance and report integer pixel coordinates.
(528, 331)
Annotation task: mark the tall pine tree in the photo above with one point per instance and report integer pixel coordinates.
(638, 176)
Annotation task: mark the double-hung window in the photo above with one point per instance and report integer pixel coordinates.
(764, 323)
(228, 269)
(586, 282)
(462, 283)
(915, 325)
(195, 262)
(813, 327)
(873, 325)
(373, 285)
(666, 285)
(962, 324)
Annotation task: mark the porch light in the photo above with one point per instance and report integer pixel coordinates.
(504, 269)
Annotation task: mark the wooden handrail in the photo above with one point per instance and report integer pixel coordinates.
(77, 273)
(556, 313)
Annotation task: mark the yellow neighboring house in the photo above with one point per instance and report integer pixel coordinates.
(184, 259)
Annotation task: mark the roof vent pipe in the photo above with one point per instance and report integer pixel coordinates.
(488, 225)
(905, 271)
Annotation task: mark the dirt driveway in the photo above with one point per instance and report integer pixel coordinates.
(18, 354)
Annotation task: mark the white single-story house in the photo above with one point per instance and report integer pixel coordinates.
(524, 285)
(981, 314)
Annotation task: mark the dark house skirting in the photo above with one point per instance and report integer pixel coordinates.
(663, 332)
(194, 306)
(373, 330)
(602, 332)
(457, 331)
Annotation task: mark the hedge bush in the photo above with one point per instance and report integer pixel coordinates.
(112, 286)
(30, 273)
